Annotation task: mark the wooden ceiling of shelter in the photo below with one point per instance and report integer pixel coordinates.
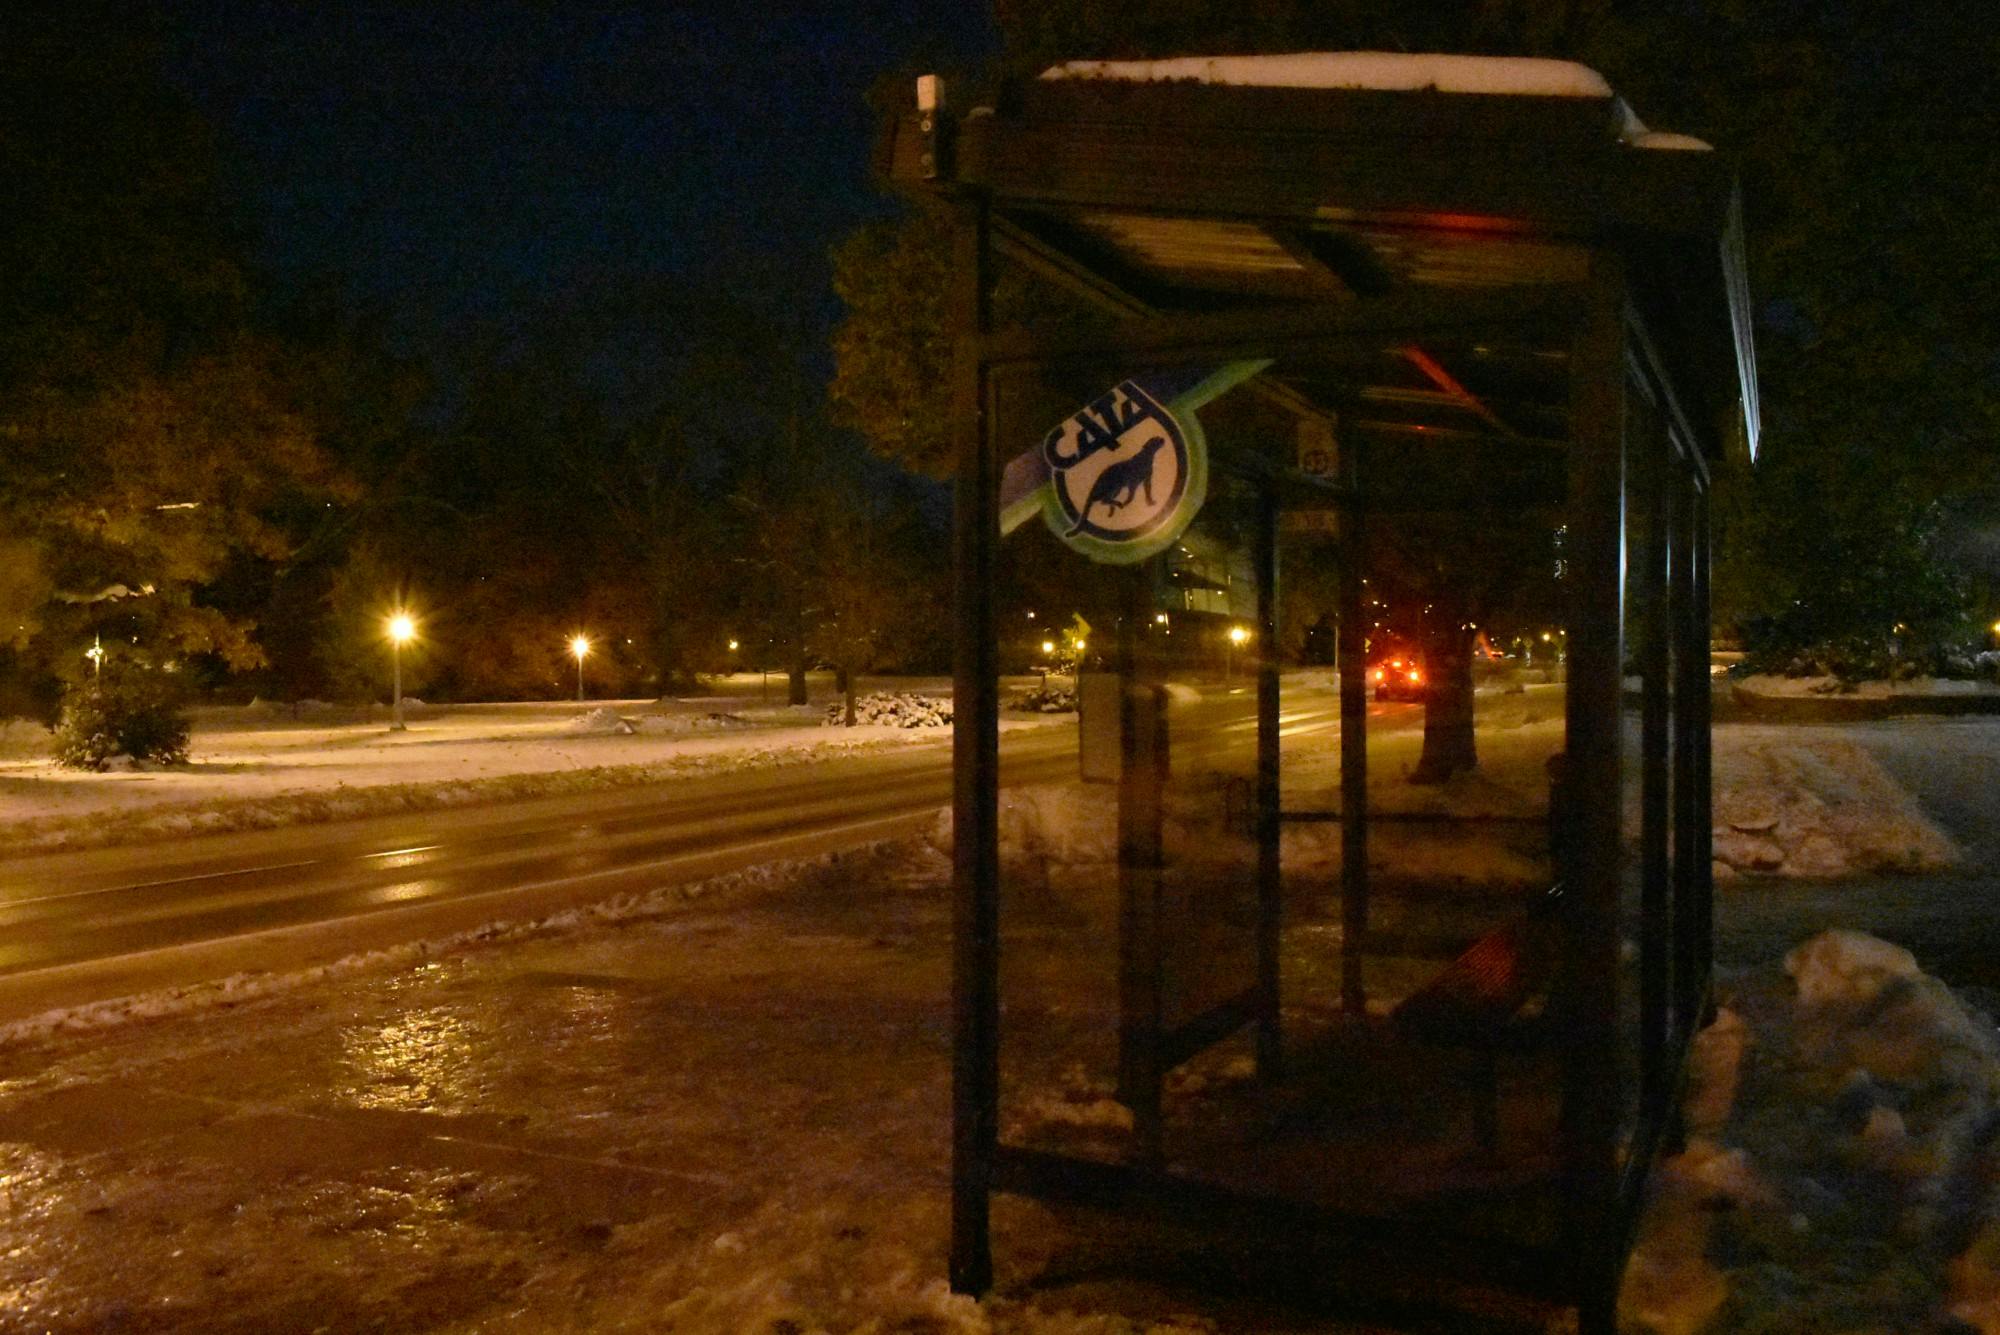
(1409, 396)
(1157, 199)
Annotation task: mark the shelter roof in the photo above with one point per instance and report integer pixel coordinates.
(1215, 184)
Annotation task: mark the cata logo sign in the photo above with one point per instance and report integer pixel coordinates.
(1122, 477)
(1122, 471)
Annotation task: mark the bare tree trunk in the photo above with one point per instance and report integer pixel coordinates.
(795, 649)
(1449, 747)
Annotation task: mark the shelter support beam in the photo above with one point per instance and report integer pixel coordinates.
(975, 965)
(1289, 331)
(1270, 883)
(1593, 1099)
(1352, 650)
(1702, 826)
(1142, 728)
(1691, 688)
(1653, 554)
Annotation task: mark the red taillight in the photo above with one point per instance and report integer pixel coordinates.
(1378, 674)
(1416, 678)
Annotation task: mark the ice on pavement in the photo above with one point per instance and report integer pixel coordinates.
(725, 1108)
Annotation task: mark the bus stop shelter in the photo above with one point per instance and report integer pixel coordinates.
(1296, 299)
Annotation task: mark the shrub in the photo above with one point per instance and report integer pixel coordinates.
(1045, 700)
(137, 715)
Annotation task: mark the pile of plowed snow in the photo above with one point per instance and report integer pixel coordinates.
(1842, 1170)
(899, 710)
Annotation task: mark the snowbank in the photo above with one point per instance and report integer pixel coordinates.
(899, 709)
(260, 767)
(1765, 684)
(1842, 1171)
(1820, 807)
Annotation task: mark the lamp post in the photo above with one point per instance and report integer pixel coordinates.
(1236, 639)
(580, 646)
(401, 630)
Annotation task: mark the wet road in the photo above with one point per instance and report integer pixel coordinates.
(63, 909)
(532, 856)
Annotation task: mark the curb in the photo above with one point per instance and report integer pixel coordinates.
(1856, 708)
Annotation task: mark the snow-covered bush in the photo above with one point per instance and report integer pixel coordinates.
(137, 715)
(601, 721)
(898, 710)
(1044, 700)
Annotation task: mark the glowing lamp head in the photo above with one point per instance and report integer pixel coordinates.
(579, 645)
(402, 628)
(1048, 646)
(1237, 635)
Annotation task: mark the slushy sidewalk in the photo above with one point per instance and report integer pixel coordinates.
(725, 1110)
(726, 1114)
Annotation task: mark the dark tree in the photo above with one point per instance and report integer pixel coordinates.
(1864, 135)
(147, 437)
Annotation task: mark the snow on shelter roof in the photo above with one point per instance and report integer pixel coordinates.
(1385, 71)
(1380, 70)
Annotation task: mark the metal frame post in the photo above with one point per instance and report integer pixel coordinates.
(1592, 1093)
(1352, 650)
(1270, 878)
(1691, 688)
(1651, 473)
(975, 960)
(1700, 720)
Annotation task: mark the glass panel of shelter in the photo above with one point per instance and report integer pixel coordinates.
(1131, 955)
(1128, 893)
(1665, 670)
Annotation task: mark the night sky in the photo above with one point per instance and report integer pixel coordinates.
(445, 161)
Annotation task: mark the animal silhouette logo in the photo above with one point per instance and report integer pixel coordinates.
(1119, 469)
(1119, 483)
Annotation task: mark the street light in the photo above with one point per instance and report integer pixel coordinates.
(402, 629)
(580, 646)
(1238, 637)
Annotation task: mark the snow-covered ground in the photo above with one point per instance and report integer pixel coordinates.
(1842, 1172)
(262, 766)
(1792, 803)
(723, 1107)
(1792, 687)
